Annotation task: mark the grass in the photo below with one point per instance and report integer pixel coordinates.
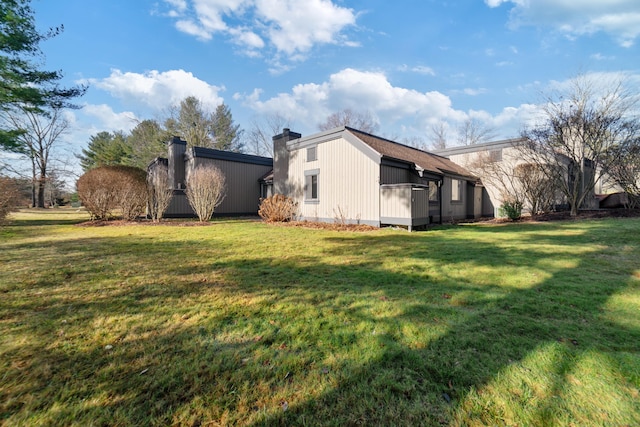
(243, 323)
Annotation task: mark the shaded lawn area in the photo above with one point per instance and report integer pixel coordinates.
(242, 323)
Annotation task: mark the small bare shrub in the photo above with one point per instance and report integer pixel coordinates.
(206, 189)
(107, 188)
(340, 216)
(277, 208)
(9, 197)
(159, 192)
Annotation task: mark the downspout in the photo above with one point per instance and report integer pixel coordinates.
(440, 198)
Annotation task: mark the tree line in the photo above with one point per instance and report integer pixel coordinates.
(146, 141)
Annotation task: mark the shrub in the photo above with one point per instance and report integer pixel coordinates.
(206, 189)
(159, 192)
(277, 208)
(512, 209)
(9, 196)
(104, 189)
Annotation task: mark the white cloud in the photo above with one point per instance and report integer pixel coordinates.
(310, 103)
(600, 57)
(472, 91)
(420, 69)
(289, 27)
(295, 26)
(619, 18)
(158, 90)
(107, 119)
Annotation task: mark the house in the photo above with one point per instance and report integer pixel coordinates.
(493, 162)
(496, 163)
(244, 175)
(348, 175)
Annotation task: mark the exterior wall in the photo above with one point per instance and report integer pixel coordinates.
(243, 186)
(453, 210)
(179, 206)
(404, 204)
(397, 175)
(494, 185)
(348, 180)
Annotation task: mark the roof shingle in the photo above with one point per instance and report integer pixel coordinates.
(427, 161)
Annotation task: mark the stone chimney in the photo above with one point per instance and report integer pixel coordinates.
(281, 160)
(177, 150)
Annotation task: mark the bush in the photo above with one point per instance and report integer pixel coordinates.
(107, 188)
(512, 210)
(277, 208)
(159, 192)
(9, 196)
(206, 189)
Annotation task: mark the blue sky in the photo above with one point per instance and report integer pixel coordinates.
(409, 63)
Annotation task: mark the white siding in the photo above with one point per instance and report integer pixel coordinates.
(347, 180)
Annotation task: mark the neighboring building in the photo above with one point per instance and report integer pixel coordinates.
(495, 162)
(243, 173)
(349, 175)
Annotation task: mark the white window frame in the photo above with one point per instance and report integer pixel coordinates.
(309, 177)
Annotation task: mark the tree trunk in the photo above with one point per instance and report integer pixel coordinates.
(41, 184)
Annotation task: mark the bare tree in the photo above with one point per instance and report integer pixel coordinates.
(206, 189)
(439, 136)
(42, 132)
(159, 192)
(580, 132)
(626, 171)
(539, 189)
(362, 121)
(473, 131)
(260, 136)
(498, 175)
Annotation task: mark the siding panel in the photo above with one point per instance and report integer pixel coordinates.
(348, 182)
(243, 186)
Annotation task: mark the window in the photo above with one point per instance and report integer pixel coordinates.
(495, 155)
(311, 154)
(433, 191)
(311, 187)
(456, 190)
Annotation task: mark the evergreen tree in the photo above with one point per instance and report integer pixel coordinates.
(146, 142)
(106, 148)
(226, 134)
(22, 84)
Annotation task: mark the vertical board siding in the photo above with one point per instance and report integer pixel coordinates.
(243, 186)
(179, 206)
(348, 180)
(419, 203)
(452, 210)
(393, 175)
(395, 202)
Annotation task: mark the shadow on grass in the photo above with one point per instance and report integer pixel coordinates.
(184, 365)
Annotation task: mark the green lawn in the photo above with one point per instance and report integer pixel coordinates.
(243, 323)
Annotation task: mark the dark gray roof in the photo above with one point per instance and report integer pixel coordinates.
(210, 153)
